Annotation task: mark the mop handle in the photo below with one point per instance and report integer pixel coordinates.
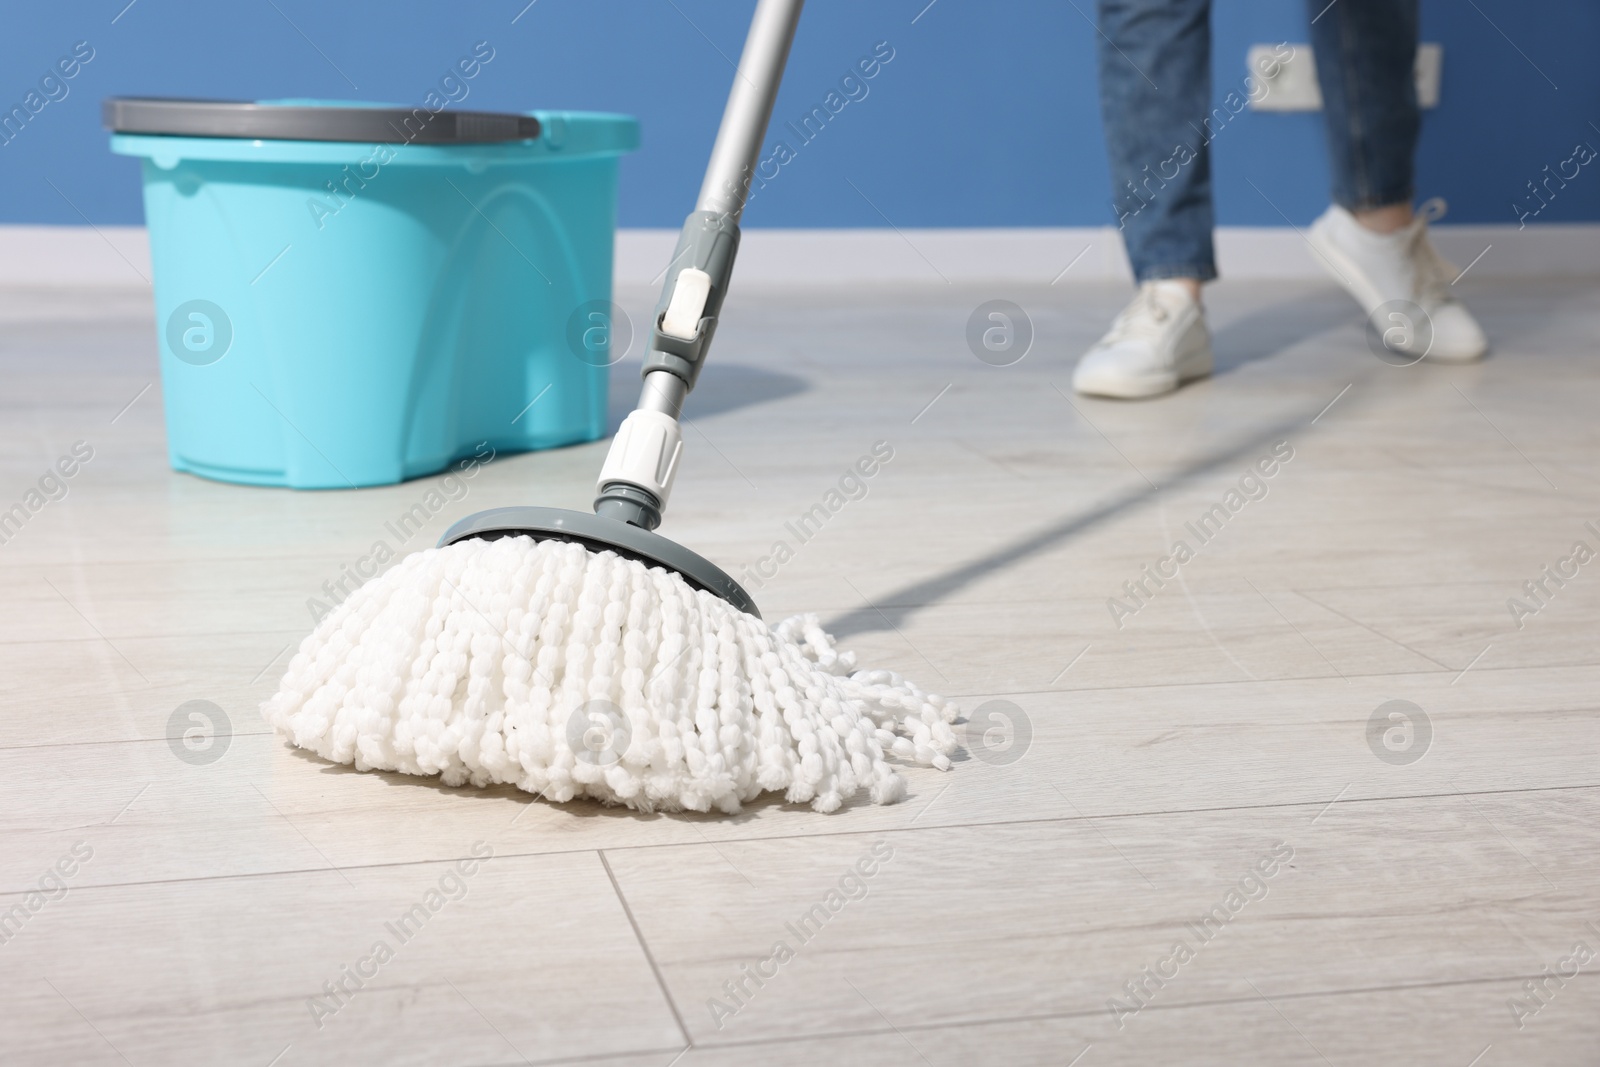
(639, 469)
(702, 264)
(744, 121)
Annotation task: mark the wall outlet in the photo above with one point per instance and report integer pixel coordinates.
(1286, 84)
(1291, 84)
(1430, 62)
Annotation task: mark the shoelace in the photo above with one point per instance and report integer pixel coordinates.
(1143, 318)
(1435, 274)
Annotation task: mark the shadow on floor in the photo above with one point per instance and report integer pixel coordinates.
(893, 609)
(722, 387)
(1267, 331)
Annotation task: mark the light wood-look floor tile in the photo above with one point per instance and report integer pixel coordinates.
(1162, 757)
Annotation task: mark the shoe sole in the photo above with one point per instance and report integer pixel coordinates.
(1194, 365)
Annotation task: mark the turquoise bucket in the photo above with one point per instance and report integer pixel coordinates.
(344, 313)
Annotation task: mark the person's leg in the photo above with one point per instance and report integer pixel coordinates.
(1369, 240)
(1155, 85)
(1365, 52)
(1155, 82)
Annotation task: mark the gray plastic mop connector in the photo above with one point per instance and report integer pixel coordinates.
(629, 503)
(708, 241)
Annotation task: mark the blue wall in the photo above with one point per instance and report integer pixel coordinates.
(986, 116)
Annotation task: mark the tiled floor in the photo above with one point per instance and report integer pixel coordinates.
(1153, 770)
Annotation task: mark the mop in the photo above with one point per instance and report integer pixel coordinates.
(584, 655)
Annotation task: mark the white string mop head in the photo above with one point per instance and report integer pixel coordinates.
(569, 673)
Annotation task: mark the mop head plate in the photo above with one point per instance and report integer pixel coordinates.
(570, 673)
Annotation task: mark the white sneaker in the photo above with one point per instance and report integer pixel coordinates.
(1382, 269)
(1156, 343)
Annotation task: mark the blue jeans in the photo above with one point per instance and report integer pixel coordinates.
(1155, 93)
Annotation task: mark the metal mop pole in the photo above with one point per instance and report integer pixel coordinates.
(637, 476)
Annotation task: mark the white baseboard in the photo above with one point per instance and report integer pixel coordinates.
(74, 255)
(1060, 256)
(120, 255)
